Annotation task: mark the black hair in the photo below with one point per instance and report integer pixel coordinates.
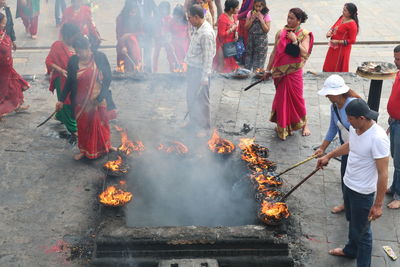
(352, 8)
(397, 49)
(69, 31)
(299, 14)
(229, 4)
(265, 10)
(179, 12)
(196, 10)
(128, 6)
(81, 43)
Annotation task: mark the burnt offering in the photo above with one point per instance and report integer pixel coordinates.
(116, 167)
(173, 147)
(377, 68)
(115, 197)
(256, 156)
(127, 146)
(265, 179)
(273, 213)
(268, 195)
(219, 145)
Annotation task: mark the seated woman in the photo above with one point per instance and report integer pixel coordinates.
(11, 83)
(128, 29)
(88, 80)
(56, 63)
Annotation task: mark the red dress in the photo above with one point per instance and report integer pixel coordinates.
(338, 55)
(11, 83)
(247, 5)
(180, 39)
(223, 37)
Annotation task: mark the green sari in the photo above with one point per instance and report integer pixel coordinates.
(65, 114)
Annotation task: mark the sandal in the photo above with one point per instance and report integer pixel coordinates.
(337, 209)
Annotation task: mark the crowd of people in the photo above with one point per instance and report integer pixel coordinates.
(81, 76)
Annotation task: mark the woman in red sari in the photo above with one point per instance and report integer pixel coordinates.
(56, 63)
(29, 11)
(292, 48)
(343, 34)
(81, 16)
(129, 27)
(179, 29)
(88, 80)
(227, 32)
(11, 83)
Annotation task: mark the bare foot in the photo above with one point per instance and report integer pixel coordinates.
(113, 148)
(34, 37)
(395, 204)
(337, 209)
(306, 131)
(337, 252)
(389, 192)
(22, 108)
(79, 156)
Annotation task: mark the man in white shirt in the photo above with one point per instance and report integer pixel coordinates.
(366, 173)
(199, 59)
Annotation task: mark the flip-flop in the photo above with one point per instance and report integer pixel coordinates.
(337, 252)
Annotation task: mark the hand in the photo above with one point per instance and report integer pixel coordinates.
(329, 33)
(291, 36)
(323, 161)
(266, 76)
(63, 72)
(254, 16)
(375, 212)
(335, 42)
(236, 36)
(124, 50)
(319, 152)
(14, 46)
(59, 106)
(260, 17)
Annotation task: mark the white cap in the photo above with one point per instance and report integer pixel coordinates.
(334, 85)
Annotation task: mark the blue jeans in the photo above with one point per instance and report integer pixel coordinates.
(395, 151)
(59, 10)
(357, 207)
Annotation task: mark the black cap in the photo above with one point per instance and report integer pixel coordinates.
(359, 107)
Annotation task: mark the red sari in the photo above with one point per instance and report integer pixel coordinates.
(92, 117)
(180, 39)
(223, 37)
(338, 55)
(288, 107)
(11, 83)
(247, 5)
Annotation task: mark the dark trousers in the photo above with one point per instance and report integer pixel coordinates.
(357, 207)
(198, 99)
(395, 151)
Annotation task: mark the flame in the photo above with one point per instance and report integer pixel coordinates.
(122, 182)
(115, 165)
(174, 146)
(250, 154)
(127, 146)
(271, 194)
(275, 211)
(262, 179)
(260, 70)
(220, 145)
(113, 196)
(181, 68)
(121, 66)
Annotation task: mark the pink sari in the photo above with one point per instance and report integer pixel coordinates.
(288, 107)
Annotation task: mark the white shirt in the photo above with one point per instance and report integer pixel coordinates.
(361, 172)
(202, 49)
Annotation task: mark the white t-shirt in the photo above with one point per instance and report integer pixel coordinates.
(361, 172)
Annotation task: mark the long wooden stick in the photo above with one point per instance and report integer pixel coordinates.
(296, 165)
(297, 186)
(46, 120)
(253, 84)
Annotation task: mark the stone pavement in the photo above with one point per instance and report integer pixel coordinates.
(45, 195)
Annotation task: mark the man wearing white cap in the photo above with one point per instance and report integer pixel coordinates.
(366, 173)
(340, 95)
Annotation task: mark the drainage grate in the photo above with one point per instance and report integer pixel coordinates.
(189, 263)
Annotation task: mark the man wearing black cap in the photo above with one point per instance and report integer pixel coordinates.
(366, 173)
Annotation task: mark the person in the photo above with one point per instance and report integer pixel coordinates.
(179, 33)
(28, 11)
(5, 10)
(245, 8)
(258, 23)
(207, 6)
(81, 16)
(293, 46)
(128, 29)
(199, 60)
(394, 130)
(227, 33)
(59, 7)
(340, 95)
(56, 63)
(11, 83)
(366, 173)
(88, 81)
(342, 36)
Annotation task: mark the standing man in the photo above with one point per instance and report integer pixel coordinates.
(366, 173)
(5, 10)
(59, 7)
(394, 124)
(199, 59)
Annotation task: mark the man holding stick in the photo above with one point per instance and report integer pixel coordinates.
(366, 173)
(199, 59)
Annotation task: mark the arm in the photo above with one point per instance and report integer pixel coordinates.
(266, 26)
(207, 44)
(382, 166)
(211, 9)
(272, 56)
(351, 33)
(10, 23)
(224, 29)
(304, 46)
(249, 21)
(342, 150)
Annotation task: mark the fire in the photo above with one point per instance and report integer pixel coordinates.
(180, 68)
(114, 196)
(260, 70)
(127, 146)
(262, 179)
(271, 194)
(121, 66)
(220, 145)
(174, 146)
(255, 155)
(115, 166)
(275, 211)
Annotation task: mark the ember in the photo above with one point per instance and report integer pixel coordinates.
(262, 179)
(127, 146)
(268, 195)
(180, 68)
(116, 167)
(273, 213)
(256, 156)
(121, 66)
(173, 147)
(219, 145)
(115, 197)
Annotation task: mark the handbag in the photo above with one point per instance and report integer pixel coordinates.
(229, 49)
(240, 49)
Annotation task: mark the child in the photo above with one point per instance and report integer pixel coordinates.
(180, 34)
(258, 23)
